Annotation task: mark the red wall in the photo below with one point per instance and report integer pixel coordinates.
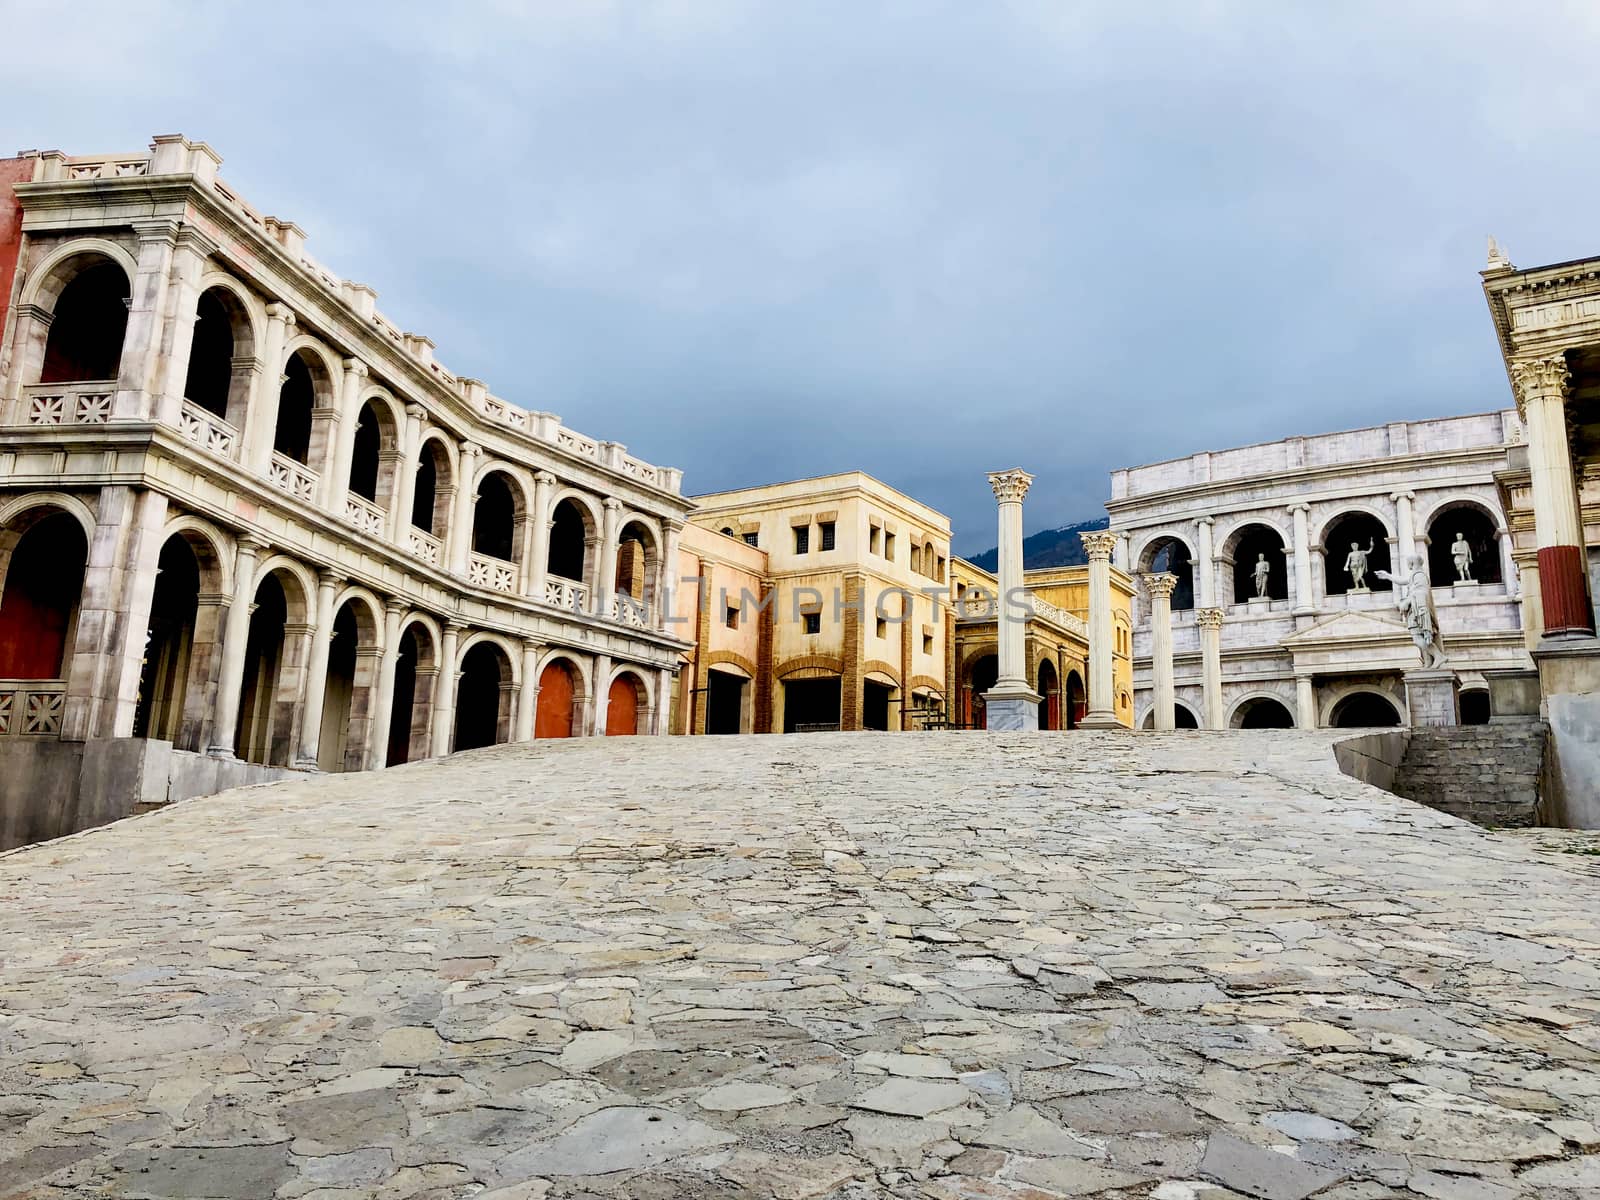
(12, 170)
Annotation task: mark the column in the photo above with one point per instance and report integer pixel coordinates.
(1508, 564)
(1102, 712)
(1305, 702)
(1303, 604)
(460, 547)
(236, 631)
(405, 484)
(378, 751)
(1405, 530)
(1161, 646)
(336, 471)
(606, 576)
(1210, 622)
(138, 374)
(1205, 570)
(602, 693)
(317, 671)
(1541, 386)
(528, 704)
(263, 424)
(660, 715)
(177, 339)
(544, 484)
(1011, 704)
(667, 587)
(444, 696)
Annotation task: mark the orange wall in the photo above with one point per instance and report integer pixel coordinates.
(12, 170)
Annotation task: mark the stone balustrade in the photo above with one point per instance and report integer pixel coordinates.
(31, 707)
(299, 480)
(87, 403)
(496, 574)
(425, 546)
(566, 594)
(364, 514)
(207, 430)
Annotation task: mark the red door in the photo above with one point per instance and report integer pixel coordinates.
(553, 716)
(622, 707)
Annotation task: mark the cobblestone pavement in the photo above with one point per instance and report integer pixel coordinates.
(942, 966)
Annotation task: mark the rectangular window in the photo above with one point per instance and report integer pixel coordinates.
(888, 546)
(825, 528)
(872, 539)
(750, 539)
(802, 539)
(940, 575)
(732, 617)
(927, 643)
(811, 622)
(883, 627)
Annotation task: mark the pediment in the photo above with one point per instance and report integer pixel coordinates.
(1348, 627)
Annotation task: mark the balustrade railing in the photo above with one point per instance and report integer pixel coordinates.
(295, 478)
(425, 546)
(364, 514)
(630, 611)
(69, 403)
(207, 430)
(982, 607)
(31, 707)
(493, 573)
(566, 594)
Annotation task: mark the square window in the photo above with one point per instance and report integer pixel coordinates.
(811, 622)
(883, 627)
(732, 618)
(802, 539)
(750, 539)
(825, 528)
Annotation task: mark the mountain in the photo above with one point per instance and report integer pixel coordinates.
(1047, 548)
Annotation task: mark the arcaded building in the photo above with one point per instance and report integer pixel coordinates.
(246, 520)
(1280, 550)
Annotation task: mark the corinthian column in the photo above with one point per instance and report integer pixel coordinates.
(1210, 622)
(1161, 646)
(1541, 386)
(1011, 703)
(1102, 712)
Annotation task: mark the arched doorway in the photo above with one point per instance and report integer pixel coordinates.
(1352, 533)
(981, 677)
(1049, 689)
(371, 468)
(1263, 712)
(1252, 548)
(483, 698)
(569, 530)
(266, 726)
(304, 379)
(1077, 703)
(557, 711)
(89, 323)
(1475, 531)
(1172, 556)
(222, 336)
(349, 692)
(169, 643)
(1364, 710)
(636, 569)
(623, 700)
(494, 518)
(411, 711)
(1183, 717)
(433, 491)
(44, 553)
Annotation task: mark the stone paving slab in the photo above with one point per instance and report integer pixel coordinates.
(944, 966)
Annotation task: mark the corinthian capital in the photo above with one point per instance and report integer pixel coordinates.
(1161, 585)
(1099, 546)
(1536, 377)
(1010, 486)
(1208, 618)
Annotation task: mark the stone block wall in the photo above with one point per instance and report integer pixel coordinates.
(1487, 774)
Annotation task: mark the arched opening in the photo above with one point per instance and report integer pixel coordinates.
(432, 492)
(88, 326)
(1076, 702)
(1183, 717)
(727, 696)
(1260, 570)
(1355, 547)
(878, 698)
(981, 676)
(557, 712)
(494, 518)
(623, 700)
(210, 381)
(296, 400)
(1263, 713)
(483, 698)
(169, 643)
(1171, 555)
(1475, 707)
(1049, 689)
(349, 692)
(636, 567)
(265, 731)
(411, 710)
(1463, 547)
(366, 459)
(1364, 710)
(43, 584)
(811, 702)
(568, 532)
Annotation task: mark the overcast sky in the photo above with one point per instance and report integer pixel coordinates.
(927, 240)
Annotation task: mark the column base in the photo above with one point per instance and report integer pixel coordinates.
(221, 752)
(1011, 710)
(1433, 697)
(1103, 719)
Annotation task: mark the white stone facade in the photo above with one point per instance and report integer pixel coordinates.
(1314, 651)
(260, 416)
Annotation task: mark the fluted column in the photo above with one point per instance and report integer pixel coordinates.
(1161, 646)
(1541, 387)
(1011, 704)
(405, 486)
(606, 576)
(317, 671)
(1102, 712)
(528, 702)
(1204, 569)
(378, 751)
(444, 694)
(1303, 603)
(263, 423)
(336, 473)
(1305, 702)
(1210, 622)
(466, 502)
(236, 632)
(544, 485)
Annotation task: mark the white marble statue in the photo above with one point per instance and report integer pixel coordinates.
(1413, 596)
(1462, 553)
(1355, 564)
(1263, 570)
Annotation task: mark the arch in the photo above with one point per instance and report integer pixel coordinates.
(1261, 710)
(411, 705)
(563, 687)
(484, 692)
(43, 554)
(980, 673)
(506, 646)
(809, 664)
(1048, 685)
(1167, 552)
(434, 490)
(88, 325)
(274, 663)
(574, 524)
(1363, 708)
(1183, 717)
(55, 270)
(183, 642)
(627, 704)
(19, 506)
(1075, 697)
(499, 513)
(1249, 547)
(350, 692)
(1478, 527)
(638, 560)
(373, 441)
(729, 658)
(308, 385)
(212, 548)
(1344, 534)
(222, 352)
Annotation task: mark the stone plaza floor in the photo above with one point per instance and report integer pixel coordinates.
(946, 965)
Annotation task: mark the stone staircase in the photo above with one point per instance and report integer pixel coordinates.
(1487, 774)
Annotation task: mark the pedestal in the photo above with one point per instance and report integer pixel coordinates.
(1464, 583)
(1433, 698)
(1259, 604)
(1011, 710)
(1360, 591)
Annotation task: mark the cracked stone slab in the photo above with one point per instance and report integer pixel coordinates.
(613, 1139)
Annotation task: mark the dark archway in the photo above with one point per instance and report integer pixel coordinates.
(88, 326)
(296, 400)
(725, 697)
(350, 691)
(366, 458)
(1364, 710)
(1251, 546)
(43, 586)
(483, 697)
(433, 490)
(1171, 555)
(568, 533)
(263, 732)
(1475, 707)
(557, 711)
(1049, 689)
(402, 708)
(981, 676)
(494, 518)
(1477, 529)
(1348, 533)
(811, 705)
(209, 382)
(1076, 704)
(875, 703)
(1263, 713)
(169, 643)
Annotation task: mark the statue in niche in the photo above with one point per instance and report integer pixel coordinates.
(1413, 596)
(1263, 570)
(1462, 554)
(1355, 565)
